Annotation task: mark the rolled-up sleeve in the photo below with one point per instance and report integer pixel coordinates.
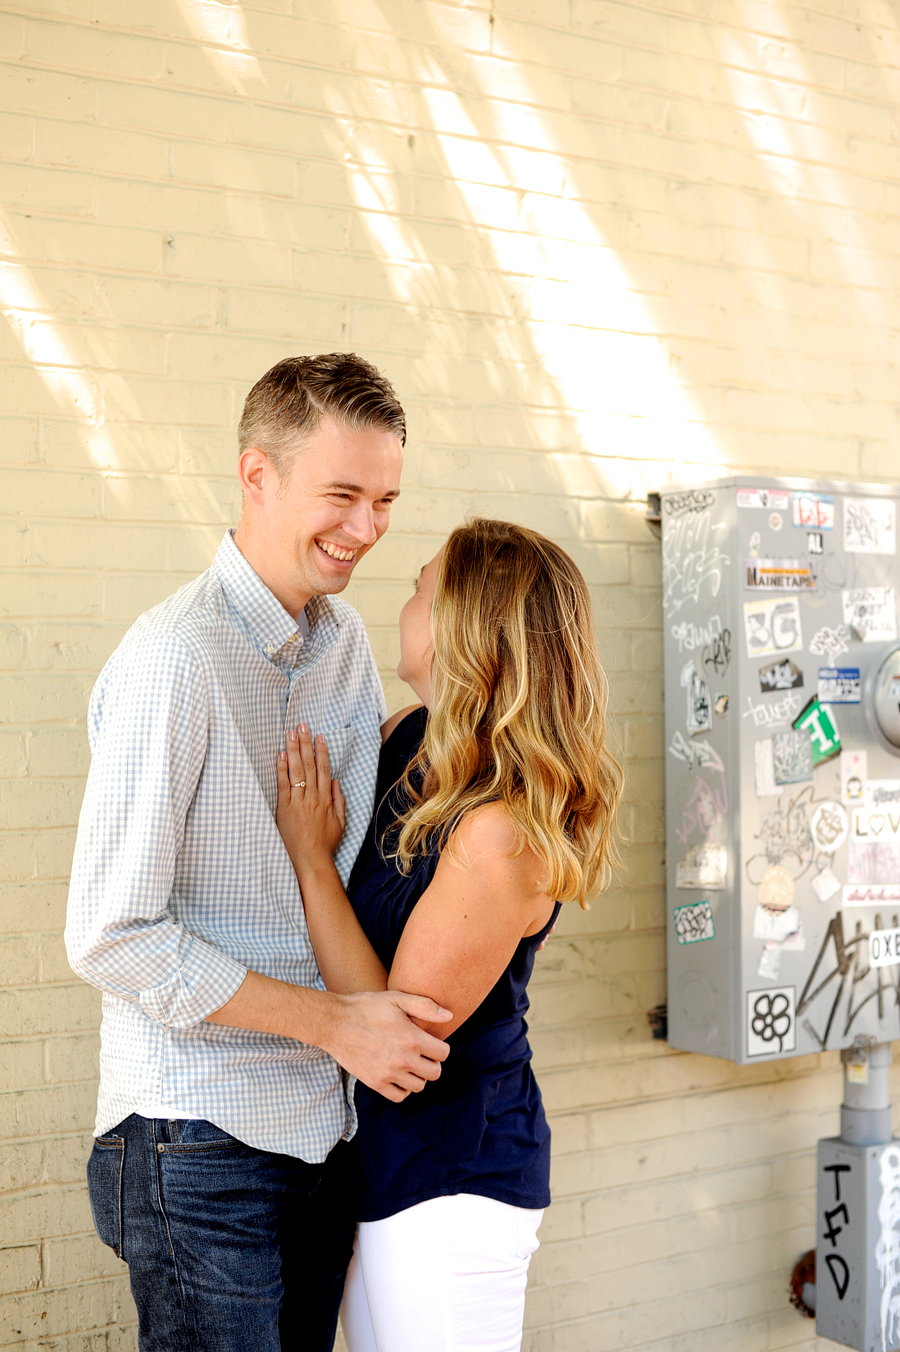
(149, 727)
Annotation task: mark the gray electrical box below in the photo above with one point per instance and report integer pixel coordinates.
(858, 1246)
(782, 702)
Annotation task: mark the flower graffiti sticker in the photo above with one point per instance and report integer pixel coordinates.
(771, 1026)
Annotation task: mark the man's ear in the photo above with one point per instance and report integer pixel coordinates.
(256, 473)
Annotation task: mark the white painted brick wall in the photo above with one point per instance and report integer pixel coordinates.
(595, 245)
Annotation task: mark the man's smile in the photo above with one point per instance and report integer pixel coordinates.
(339, 552)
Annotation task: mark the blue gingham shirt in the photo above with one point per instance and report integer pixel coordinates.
(180, 882)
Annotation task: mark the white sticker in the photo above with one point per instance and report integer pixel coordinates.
(883, 792)
(884, 948)
(770, 1021)
(854, 771)
(704, 865)
(874, 863)
(815, 510)
(773, 626)
(764, 770)
(770, 962)
(775, 927)
(872, 894)
(771, 499)
(875, 824)
(825, 884)
(776, 521)
(870, 613)
(869, 526)
(828, 827)
(699, 715)
(796, 942)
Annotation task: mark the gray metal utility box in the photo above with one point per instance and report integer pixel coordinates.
(782, 702)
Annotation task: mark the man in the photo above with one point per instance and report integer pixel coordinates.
(219, 1172)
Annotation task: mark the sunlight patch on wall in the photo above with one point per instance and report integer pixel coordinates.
(221, 30)
(568, 309)
(796, 153)
(594, 335)
(60, 369)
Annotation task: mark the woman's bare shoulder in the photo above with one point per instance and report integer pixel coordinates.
(489, 834)
(395, 720)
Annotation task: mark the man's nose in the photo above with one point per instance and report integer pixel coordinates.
(361, 523)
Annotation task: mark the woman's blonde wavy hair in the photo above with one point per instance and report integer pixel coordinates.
(519, 708)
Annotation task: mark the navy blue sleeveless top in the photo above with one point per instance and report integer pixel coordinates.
(481, 1127)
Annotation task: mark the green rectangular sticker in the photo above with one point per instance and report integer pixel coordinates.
(818, 720)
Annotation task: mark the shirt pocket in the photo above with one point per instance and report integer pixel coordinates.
(340, 744)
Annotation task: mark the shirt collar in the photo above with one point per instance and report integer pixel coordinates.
(268, 625)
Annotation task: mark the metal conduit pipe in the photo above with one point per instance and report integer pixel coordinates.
(866, 1110)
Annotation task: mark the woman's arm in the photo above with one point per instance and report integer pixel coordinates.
(311, 822)
(484, 898)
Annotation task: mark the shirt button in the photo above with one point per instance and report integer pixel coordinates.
(269, 649)
(293, 638)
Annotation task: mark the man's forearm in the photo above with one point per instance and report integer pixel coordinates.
(370, 1034)
(266, 1005)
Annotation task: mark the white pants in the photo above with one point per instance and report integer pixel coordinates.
(447, 1275)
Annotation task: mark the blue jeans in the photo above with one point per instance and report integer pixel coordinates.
(229, 1249)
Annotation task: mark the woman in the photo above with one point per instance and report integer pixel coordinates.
(496, 801)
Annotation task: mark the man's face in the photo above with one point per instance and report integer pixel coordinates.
(334, 505)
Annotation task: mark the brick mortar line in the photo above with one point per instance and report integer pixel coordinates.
(451, 86)
(442, 46)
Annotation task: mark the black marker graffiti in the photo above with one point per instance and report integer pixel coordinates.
(837, 1266)
(693, 501)
(717, 653)
(785, 834)
(771, 1018)
(851, 965)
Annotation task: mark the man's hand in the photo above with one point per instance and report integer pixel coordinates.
(375, 1039)
(370, 1034)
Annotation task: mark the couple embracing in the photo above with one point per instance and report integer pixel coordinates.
(278, 889)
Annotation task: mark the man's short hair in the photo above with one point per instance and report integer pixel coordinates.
(288, 403)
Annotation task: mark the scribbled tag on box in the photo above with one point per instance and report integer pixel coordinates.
(792, 757)
(815, 510)
(870, 613)
(783, 675)
(839, 685)
(694, 922)
(869, 526)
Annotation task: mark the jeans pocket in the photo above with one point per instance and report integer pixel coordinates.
(104, 1174)
(193, 1135)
